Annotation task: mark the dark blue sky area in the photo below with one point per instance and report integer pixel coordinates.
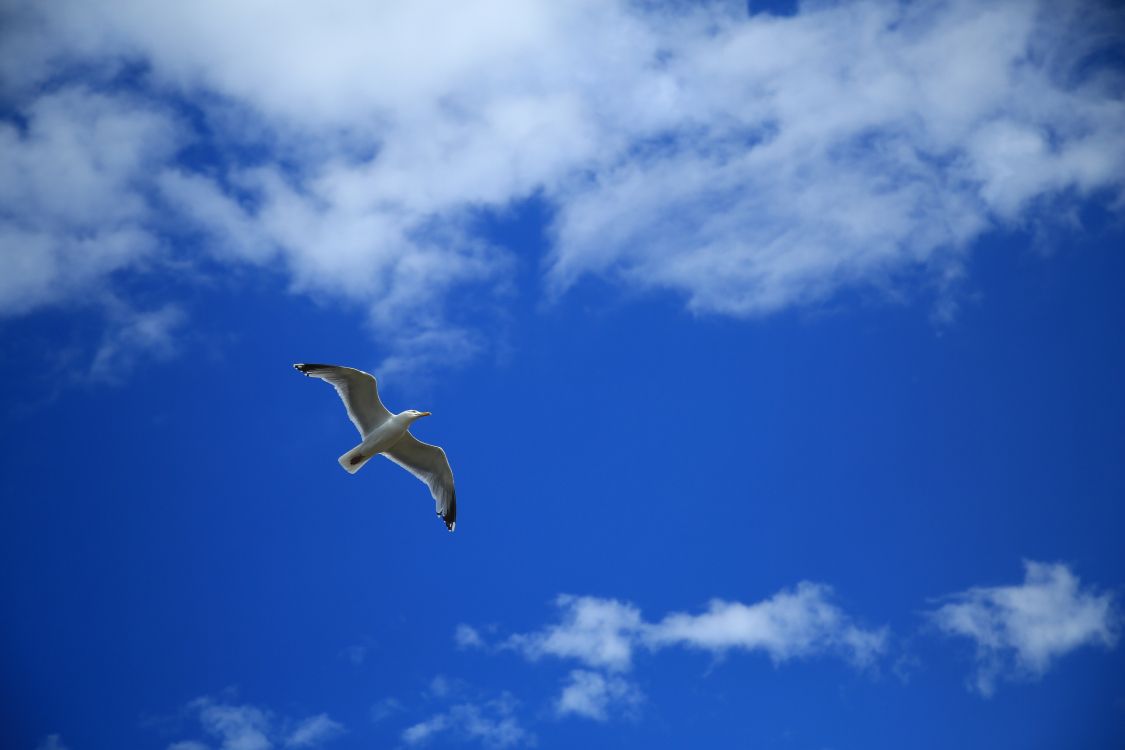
(776, 349)
(189, 531)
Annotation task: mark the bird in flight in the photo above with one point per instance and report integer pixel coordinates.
(389, 434)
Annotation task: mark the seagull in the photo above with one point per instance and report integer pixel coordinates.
(389, 434)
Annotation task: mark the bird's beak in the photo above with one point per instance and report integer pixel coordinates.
(425, 414)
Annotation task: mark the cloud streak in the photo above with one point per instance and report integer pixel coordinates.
(492, 723)
(314, 731)
(791, 624)
(796, 623)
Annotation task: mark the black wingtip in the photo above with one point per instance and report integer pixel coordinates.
(450, 517)
(308, 368)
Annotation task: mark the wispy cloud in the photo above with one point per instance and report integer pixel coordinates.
(385, 708)
(749, 163)
(1020, 630)
(249, 727)
(51, 742)
(314, 731)
(133, 336)
(420, 733)
(466, 636)
(237, 727)
(75, 206)
(492, 723)
(357, 653)
(592, 695)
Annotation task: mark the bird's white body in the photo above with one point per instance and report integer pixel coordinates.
(387, 434)
(379, 440)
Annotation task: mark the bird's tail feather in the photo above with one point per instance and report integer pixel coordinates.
(353, 460)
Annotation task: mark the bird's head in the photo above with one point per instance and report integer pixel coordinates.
(414, 415)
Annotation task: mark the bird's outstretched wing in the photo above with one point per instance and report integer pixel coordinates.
(357, 390)
(428, 463)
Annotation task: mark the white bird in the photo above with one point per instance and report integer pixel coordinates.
(389, 434)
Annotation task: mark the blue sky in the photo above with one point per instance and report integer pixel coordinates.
(776, 351)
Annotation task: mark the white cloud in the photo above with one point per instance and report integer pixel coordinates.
(845, 145)
(597, 632)
(603, 633)
(592, 694)
(796, 623)
(492, 723)
(73, 205)
(397, 265)
(314, 731)
(52, 742)
(747, 163)
(237, 727)
(1020, 630)
(466, 636)
(248, 727)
